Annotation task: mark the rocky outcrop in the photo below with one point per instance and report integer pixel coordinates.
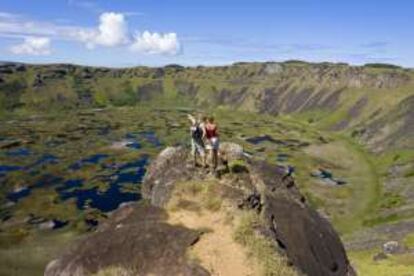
(171, 166)
(135, 237)
(309, 241)
(163, 173)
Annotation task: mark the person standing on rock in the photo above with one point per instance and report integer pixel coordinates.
(198, 133)
(212, 137)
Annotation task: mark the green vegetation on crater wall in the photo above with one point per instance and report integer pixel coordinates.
(393, 265)
(325, 94)
(382, 66)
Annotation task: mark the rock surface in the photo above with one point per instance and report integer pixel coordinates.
(172, 166)
(163, 173)
(309, 240)
(136, 237)
(392, 247)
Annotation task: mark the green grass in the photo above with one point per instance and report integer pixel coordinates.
(409, 240)
(368, 197)
(237, 166)
(394, 265)
(375, 220)
(196, 195)
(260, 248)
(115, 271)
(391, 200)
(349, 204)
(30, 257)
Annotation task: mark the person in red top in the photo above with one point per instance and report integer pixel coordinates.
(212, 136)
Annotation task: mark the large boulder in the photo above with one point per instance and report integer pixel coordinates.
(393, 247)
(231, 151)
(166, 170)
(135, 237)
(309, 240)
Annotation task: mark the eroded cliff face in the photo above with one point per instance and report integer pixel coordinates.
(333, 96)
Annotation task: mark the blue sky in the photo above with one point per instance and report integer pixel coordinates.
(151, 32)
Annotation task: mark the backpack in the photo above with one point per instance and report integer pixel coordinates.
(197, 133)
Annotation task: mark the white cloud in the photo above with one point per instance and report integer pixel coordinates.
(8, 15)
(156, 43)
(35, 46)
(112, 31)
(20, 27)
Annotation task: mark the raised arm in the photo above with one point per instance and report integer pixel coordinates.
(191, 118)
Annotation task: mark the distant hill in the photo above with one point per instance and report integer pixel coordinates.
(374, 102)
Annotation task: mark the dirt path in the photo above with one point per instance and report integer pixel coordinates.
(216, 250)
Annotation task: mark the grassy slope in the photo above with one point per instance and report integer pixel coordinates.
(393, 265)
(354, 165)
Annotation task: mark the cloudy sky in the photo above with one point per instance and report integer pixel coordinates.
(209, 32)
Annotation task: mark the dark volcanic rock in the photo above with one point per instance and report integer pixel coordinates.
(308, 239)
(186, 88)
(353, 112)
(163, 173)
(232, 97)
(135, 237)
(10, 144)
(6, 70)
(310, 242)
(401, 122)
(37, 81)
(297, 100)
(314, 100)
(331, 101)
(150, 91)
(158, 73)
(20, 68)
(270, 102)
(393, 247)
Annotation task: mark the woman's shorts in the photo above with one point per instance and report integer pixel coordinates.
(213, 143)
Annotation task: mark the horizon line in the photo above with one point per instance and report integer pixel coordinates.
(396, 66)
